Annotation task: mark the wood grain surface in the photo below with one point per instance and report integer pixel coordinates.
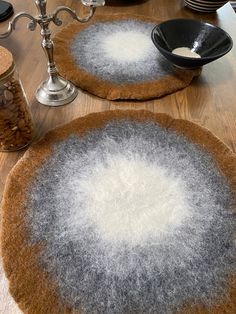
(209, 101)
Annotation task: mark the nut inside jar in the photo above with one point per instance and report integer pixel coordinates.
(16, 127)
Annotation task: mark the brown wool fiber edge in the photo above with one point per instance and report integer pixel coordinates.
(105, 89)
(30, 286)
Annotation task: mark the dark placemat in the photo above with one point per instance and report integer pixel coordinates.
(113, 57)
(122, 212)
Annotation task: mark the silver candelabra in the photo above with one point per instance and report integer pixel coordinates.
(56, 90)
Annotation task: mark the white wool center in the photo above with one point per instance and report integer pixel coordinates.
(126, 46)
(129, 200)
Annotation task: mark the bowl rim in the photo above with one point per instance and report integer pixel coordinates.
(217, 56)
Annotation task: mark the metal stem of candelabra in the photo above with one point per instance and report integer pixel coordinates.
(56, 90)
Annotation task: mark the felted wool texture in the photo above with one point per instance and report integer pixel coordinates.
(185, 260)
(114, 57)
(120, 52)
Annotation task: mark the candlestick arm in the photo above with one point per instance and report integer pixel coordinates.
(56, 20)
(12, 24)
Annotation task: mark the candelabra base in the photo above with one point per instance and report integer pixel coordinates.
(56, 92)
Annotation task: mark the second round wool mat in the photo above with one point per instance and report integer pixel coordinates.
(113, 57)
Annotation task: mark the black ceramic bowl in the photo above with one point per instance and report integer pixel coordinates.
(207, 40)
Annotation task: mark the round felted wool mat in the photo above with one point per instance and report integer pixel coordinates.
(113, 57)
(122, 212)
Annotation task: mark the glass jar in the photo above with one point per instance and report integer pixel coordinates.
(16, 126)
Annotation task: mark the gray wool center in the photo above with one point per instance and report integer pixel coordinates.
(189, 264)
(89, 54)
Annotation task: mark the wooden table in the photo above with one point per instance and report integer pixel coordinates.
(210, 100)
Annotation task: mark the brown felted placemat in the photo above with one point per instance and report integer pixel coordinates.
(113, 57)
(55, 262)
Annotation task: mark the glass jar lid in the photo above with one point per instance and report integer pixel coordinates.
(6, 62)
